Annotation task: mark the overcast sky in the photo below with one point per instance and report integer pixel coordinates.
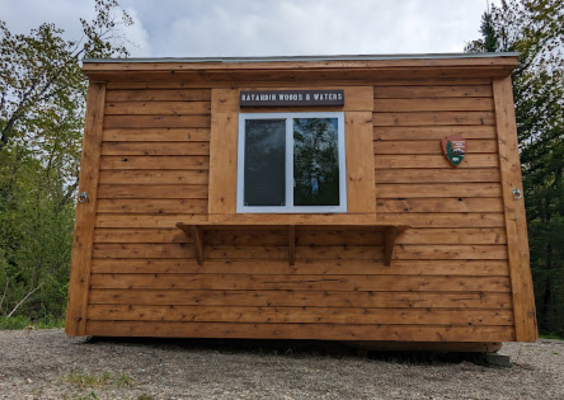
(194, 28)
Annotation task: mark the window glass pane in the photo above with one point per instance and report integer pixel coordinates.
(265, 162)
(316, 162)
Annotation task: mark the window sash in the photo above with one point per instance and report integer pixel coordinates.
(289, 168)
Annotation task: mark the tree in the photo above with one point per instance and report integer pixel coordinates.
(42, 104)
(536, 30)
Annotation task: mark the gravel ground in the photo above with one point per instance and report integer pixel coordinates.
(46, 364)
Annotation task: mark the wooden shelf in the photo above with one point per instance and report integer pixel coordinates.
(196, 232)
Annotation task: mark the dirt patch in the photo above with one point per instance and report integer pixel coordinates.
(46, 364)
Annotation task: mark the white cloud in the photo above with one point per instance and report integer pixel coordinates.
(176, 28)
(137, 36)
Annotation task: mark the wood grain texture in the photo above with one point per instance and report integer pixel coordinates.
(459, 118)
(433, 132)
(430, 147)
(343, 65)
(433, 104)
(151, 191)
(157, 121)
(155, 162)
(431, 333)
(338, 283)
(169, 156)
(298, 298)
(85, 212)
(153, 206)
(441, 204)
(357, 98)
(390, 161)
(303, 315)
(409, 91)
(301, 267)
(436, 175)
(439, 236)
(223, 157)
(158, 108)
(255, 84)
(515, 220)
(361, 187)
(157, 135)
(155, 149)
(445, 220)
(158, 95)
(152, 177)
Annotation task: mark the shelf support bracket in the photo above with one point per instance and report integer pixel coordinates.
(390, 234)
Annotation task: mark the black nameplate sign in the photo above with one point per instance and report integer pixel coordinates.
(292, 98)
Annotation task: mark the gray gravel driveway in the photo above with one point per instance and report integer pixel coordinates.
(46, 364)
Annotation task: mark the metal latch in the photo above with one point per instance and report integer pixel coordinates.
(517, 194)
(83, 197)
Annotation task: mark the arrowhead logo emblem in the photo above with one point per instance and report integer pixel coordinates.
(454, 148)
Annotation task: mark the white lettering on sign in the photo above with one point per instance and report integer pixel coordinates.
(283, 98)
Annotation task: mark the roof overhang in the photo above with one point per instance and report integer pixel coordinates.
(402, 66)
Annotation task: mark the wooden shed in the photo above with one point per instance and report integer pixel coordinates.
(350, 198)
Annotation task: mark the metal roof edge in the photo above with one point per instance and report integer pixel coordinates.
(359, 57)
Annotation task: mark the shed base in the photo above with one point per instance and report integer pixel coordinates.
(449, 347)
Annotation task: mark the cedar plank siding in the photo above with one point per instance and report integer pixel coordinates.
(449, 280)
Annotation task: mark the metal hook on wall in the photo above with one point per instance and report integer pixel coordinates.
(83, 197)
(517, 194)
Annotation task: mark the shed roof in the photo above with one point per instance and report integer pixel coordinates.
(314, 58)
(407, 66)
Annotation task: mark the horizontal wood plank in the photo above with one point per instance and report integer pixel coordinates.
(135, 191)
(385, 161)
(403, 190)
(358, 98)
(434, 104)
(431, 92)
(428, 147)
(158, 95)
(157, 121)
(156, 149)
(303, 238)
(301, 267)
(157, 135)
(153, 206)
(433, 132)
(267, 252)
(338, 283)
(152, 177)
(145, 221)
(301, 315)
(440, 205)
(430, 175)
(434, 118)
(154, 162)
(445, 220)
(254, 84)
(297, 298)
(158, 108)
(431, 333)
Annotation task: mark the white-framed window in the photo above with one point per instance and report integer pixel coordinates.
(291, 163)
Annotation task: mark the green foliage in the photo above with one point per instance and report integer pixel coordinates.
(536, 31)
(42, 105)
(22, 322)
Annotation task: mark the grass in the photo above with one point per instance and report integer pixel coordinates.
(551, 336)
(21, 322)
(85, 380)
